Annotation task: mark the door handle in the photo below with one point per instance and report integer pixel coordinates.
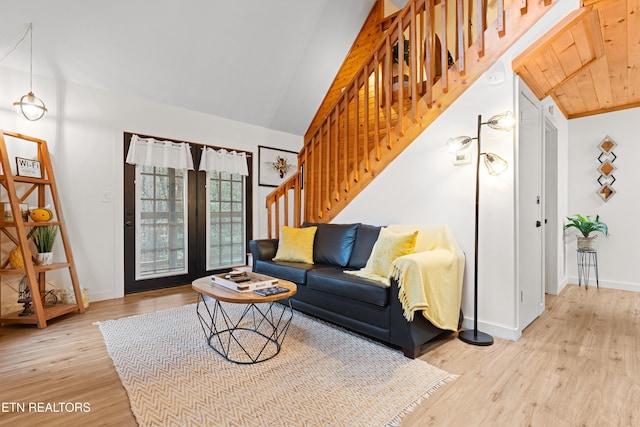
(128, 223)
(538, 224)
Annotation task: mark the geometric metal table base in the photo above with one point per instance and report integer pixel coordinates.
(586, 260)
(255, 336)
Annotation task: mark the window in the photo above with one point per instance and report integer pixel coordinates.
(226, 239)
(161, 246)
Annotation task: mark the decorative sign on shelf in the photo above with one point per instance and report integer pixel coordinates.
(606, 168)
(28, 167)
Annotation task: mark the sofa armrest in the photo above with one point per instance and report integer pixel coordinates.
(263, 249)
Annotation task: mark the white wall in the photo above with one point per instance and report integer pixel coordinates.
(618, 253)
(84, 129)
(423, 187)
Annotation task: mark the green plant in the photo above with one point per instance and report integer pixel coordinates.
(43, 237)
(586, 225)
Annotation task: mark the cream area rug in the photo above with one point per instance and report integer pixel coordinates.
(323, 376)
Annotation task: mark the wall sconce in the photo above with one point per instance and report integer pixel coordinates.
(30, 106)
(495, 165)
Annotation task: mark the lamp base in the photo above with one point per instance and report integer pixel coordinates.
(475, 337)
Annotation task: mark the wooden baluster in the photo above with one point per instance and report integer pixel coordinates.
(365, 118)
(312, 182)
(356, 117)
(523, 7)
(376, 103)
(444, 54)
(428, 48)
(277, 217)
(388, 79)
(500, 18)
(269, 218)
(335, 170)
(297, 199)
(347, 183)
(480, 25)
(285, 195)
(317, 173)
(460, 37)
(413, 53)
(327, 169)
(400, 78)
(307, 185)
(422, 55)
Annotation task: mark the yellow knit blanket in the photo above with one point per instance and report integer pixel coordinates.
(430, 279)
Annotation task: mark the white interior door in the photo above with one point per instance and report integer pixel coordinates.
(530, 220)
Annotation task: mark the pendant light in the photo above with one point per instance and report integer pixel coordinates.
(30, 106)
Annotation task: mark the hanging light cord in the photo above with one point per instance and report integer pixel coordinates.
(29, 28)
(30, 58)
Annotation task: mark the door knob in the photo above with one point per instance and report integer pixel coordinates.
(538, 224)
(129, 223)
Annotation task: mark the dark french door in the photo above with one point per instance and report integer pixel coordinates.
(181, 225)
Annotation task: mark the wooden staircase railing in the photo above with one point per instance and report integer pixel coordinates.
(379, 114)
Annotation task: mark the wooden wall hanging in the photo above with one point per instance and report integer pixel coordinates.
(606, 168)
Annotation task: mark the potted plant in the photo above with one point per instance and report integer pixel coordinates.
(43, 238)
(586, 226)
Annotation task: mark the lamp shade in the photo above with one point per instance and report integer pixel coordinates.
(495, 164)
(503, 121)
(31, 107)
(459, 144)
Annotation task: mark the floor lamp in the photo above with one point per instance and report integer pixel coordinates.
(495, 166)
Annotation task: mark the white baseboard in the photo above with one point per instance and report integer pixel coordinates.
(621, 286)
(101, 296)
(494, 330)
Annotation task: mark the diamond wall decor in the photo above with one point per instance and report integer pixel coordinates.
(606, 168)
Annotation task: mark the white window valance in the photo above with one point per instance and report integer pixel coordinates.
(152, 152)
(223, 161)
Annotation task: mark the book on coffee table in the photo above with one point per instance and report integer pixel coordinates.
(273, 290)
(244, 281)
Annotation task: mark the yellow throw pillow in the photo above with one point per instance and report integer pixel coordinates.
(387, 248)
(296, 244)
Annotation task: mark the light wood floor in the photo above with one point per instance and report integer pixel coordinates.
(578, 364)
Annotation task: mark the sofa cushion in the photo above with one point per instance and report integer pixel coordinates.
(292, 271)
(296, 244)
(332, 280)
(365, 239)
(388, 247)
(333, 243)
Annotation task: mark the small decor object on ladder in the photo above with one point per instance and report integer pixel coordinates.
(586, 226)
(44, 236)
(24, 298)
(606, 168)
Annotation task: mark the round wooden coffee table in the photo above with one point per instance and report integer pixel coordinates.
(251, 336)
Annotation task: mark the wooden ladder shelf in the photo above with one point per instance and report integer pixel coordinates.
(18, 189)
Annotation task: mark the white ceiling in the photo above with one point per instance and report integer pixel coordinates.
(263, 62)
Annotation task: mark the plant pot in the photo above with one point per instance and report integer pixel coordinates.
(587, 243)
(45, 258)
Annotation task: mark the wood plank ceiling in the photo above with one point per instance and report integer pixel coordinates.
(590, 62)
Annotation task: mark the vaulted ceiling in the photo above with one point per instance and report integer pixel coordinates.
(263, 62)
(590, 62)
